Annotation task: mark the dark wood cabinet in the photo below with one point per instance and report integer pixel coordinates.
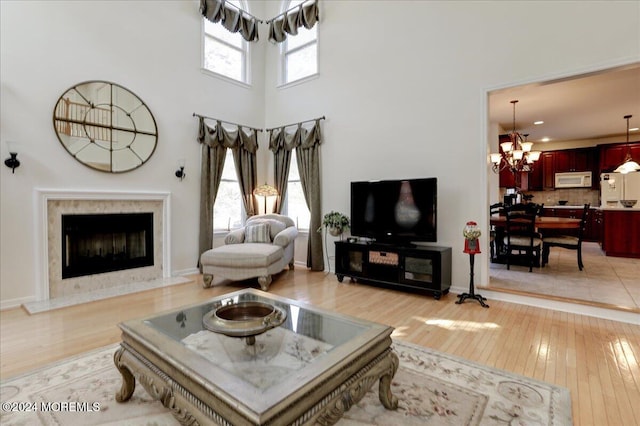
(563, 161)
(594, 226)
(612, 155)
(548, 170)
(425, 269)
(620, 233)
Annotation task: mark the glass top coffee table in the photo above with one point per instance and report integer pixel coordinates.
(309, 369)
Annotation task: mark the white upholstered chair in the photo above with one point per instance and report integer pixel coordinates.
(263, 247)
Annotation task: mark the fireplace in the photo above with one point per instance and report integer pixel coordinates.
(52, 257)
(97, 243)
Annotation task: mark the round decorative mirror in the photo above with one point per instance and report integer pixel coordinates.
(105, 126)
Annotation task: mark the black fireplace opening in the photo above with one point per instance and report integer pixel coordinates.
(97, 243)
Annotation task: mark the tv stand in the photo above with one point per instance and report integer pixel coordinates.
(424, 269)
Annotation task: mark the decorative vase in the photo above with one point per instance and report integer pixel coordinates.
(335, 231)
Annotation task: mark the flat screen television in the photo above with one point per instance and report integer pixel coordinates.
(395, 211)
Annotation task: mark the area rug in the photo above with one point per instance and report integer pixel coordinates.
(433, 388)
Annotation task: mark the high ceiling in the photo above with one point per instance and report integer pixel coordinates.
(583, 107)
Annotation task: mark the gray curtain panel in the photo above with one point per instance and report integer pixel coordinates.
(215, 142)
(244, 157)
(307, 144)
(305, 15)
(281, 144)
(212, 163)
(231, 18)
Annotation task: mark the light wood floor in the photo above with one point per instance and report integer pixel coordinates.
(598, 360)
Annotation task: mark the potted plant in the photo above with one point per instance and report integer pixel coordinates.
(335, 222)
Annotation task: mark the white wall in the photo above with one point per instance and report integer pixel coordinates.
(151, 48)
(402, 84)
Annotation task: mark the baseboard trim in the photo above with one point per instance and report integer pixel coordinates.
(184, 272)
(555, 305)
(15, 303)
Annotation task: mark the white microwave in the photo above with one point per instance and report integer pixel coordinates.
(573, 180)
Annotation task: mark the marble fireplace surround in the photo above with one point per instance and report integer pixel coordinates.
(52, 204)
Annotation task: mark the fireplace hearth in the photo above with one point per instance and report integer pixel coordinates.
(98, 243)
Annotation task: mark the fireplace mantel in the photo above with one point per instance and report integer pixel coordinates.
(43, 197)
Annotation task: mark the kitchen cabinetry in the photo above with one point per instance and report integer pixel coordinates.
(425, 269)
(612, 155)
(620, 233)
(548, 170)
(569, 160)
(575, 160)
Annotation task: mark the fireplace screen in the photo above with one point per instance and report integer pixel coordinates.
(97, 243)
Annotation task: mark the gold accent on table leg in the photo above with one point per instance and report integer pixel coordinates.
(163, 392)
(128, 380)
(264, 282)
(387, 399)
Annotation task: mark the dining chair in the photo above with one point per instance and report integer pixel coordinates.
(496, 208)
(521, 236)
(570, 242)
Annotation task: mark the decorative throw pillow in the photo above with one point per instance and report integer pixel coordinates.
(258, 233)
(275, 226)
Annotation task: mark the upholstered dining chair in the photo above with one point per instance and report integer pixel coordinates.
(569, 242)
(520, 234)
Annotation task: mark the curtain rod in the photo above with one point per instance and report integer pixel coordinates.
(228, 122)
(295, 124)
(287, 11)
(245, 12)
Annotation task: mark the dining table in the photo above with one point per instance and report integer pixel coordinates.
(542, 222)
(550, 224)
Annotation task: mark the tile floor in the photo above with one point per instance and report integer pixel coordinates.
(613, 282)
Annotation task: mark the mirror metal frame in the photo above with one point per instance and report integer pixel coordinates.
(115, 134)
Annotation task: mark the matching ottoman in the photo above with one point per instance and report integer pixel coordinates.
(242, 261)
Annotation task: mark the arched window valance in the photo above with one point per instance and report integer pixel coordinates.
(306, 15)
(237, 20)
(219, 136)
(232, 18)
(280, 139)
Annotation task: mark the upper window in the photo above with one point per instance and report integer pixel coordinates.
(296, 206)
(228, 209)
(299, 53)
(224, 52)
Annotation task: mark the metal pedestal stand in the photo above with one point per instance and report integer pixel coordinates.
(472, 294)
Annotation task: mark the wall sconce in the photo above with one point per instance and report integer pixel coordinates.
(180, 174)
(12, 162)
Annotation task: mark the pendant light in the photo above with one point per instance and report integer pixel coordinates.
(628, 165)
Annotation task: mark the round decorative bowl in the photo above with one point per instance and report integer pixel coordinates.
(628, 203)
(244, 319)
(563, 202)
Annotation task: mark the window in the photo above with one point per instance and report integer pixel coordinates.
(224, 52)
(228, 209)
(299, 53)
(295, 205)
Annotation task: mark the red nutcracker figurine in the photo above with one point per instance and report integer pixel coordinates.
(471, 246)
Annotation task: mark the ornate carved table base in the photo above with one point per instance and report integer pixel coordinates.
(188, 409)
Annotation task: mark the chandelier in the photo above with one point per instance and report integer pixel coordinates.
(516, 155)
(628, 165)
